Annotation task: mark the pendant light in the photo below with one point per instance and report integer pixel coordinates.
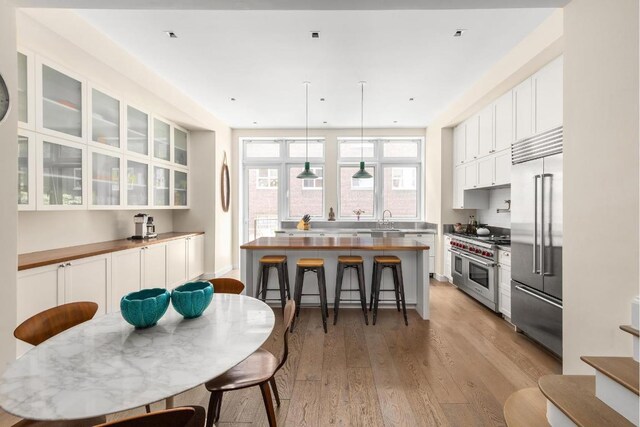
(362, 173)
(306, 173)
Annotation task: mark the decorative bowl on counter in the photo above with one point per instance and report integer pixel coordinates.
(483, 231)
(460, 228)
(192, 299)
(144, 308)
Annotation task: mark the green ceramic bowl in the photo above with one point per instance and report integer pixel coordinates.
(192, 299)
(144, 308)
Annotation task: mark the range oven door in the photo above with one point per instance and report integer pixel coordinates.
(481, 278)
(457, 269)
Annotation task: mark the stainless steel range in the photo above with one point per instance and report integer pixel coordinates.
(474, 267)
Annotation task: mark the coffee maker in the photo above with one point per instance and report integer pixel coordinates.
(140, 221)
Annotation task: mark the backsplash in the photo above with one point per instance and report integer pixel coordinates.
(497, 196)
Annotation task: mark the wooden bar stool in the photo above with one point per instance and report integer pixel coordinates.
(279, 262)
(379, 264)
(345, 263)
(314, 265)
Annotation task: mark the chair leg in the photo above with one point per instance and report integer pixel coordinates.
(322, 287)
(373, 282)
(336, 304)
(401, 290)
(286, 279)
(215, 404)
(274, 389)
(259, 285)
(363, 292)
(297, 295)
(283, 299)
(396, 285)
(265, 282)
(378, 277)
(268, 404)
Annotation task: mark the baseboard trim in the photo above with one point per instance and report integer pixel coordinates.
(441, 278)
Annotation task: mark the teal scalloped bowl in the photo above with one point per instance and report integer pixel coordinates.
(192, 299)
(144, 308)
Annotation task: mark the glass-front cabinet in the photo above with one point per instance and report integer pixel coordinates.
(180, 188)
(137, 131)
(105, 119)
(26, 107)
(61, 106)
(26, 170)
(61, 174)
(161, 140)
(180, 146)
(106, 184)
(137, 183)
(161, 186)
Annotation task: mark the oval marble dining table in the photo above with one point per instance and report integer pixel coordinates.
(105, 365)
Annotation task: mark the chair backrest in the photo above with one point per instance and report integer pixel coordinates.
(287, 319)
(187, 416)
(44, 325)
(227, 285)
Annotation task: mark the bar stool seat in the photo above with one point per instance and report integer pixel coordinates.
(279, 262)
(379, 264)
(314, 265)
(344, 263)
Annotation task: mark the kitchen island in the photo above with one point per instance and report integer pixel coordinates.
(413, 254)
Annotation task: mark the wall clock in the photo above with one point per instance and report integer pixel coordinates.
(4, 99)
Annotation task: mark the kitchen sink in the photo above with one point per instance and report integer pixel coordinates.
(392, 232)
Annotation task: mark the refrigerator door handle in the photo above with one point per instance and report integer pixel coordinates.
(520, 288)
(535, 221)
(542, 224)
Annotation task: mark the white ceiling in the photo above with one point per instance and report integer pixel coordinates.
(261, 58)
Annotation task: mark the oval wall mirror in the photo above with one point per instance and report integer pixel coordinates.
(225, 185)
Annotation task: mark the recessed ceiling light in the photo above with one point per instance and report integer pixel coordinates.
(171, 34)
(255, 123)
(410, 99)
(322, 99)
(395, 121)
(459, 32)
(315, 34)
(233, 99)
(324, 123)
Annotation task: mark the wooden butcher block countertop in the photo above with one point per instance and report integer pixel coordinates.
(337, 243)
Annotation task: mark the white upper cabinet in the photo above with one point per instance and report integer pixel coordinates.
(161, 187)
(180, 146)
(459, 138)
(61, 109)
(486, 171)
(523, 110)
(180, 189)
(471, 147)
(105, 122)
(26, 170)
(502, 168)
(106, 179)
(548, 96)
(458, 187)
(485, 134)
(503, 111)
(470, 175)
(137, 131)
(137, 183)
(161, 140)
(26, 90)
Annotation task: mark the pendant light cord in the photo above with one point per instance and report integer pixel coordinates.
(361, 122)
(306, 125)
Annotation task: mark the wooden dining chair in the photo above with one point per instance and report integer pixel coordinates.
(186, 416)
(227, 285)
(259, 369)
(46, 324)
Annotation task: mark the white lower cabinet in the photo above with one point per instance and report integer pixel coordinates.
(154, 269)
(88, 279)
(126, 274)
(447, 258)
(195, 256)
(176, 263)
(429, 240)
(504, 283)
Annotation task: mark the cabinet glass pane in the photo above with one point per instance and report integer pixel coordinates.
(23, 89)
(161, 179)
(180, 147)
(62, 175)
(161, 140)
(61, 102)
(137, 131)
(105, 119)
(180, 189)
(137, 184)
(23, 170)
(105, 180)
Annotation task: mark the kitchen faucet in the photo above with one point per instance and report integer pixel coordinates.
(384, 223)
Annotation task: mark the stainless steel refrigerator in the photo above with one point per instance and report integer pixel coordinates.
(536, 238)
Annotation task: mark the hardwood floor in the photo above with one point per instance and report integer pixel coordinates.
(456, 369)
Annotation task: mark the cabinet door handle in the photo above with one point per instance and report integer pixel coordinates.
(61, 266)
(68, 264)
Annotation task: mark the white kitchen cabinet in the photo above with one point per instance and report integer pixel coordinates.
(161, 187)
(137, 183)
(428, 239)
(180, 189)
(547, 84)
(459, 140)
(154, 270)
(504, 283)
(470, 175)
(473, 133)
(105, 122)
(26, 90)
(61, 102)
(447, 258)
(195, 256)
(485, 133)
(180, 146)
(523, 110)
(88, 279)
(161, 140)
(106, 179)
(176, 263)
(61, 174)
(26, 170)
(475, 199)
(503, 130)
(126, 274)
(458, 187)
(136, 125)
(486, 171)
(502, 168)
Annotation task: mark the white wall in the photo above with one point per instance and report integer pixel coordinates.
(490, 216)
(9, 187)
(600, 178)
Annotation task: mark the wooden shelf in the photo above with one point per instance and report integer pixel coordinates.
(526, 408)
(623, 370)
(631, 330)
(574, 395)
